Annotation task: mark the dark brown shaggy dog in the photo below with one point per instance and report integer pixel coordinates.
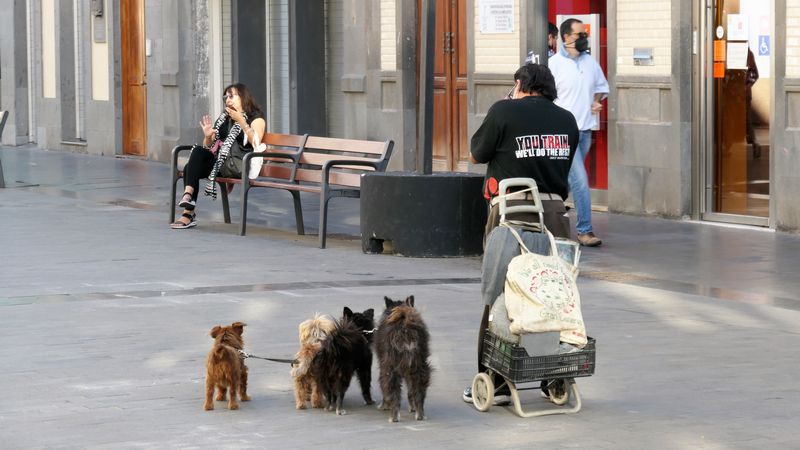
(341, 354)
(401, 343)
(225, 367)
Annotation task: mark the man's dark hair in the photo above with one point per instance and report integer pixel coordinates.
(552, 30)
(566, 27)
(536, 78)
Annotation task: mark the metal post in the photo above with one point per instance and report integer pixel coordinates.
(538, 30)
(425, 136)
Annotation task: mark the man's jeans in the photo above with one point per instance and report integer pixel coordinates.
(579, 184)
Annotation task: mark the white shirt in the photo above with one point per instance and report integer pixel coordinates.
(577, 81)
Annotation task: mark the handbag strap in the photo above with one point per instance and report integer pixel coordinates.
(523, 247)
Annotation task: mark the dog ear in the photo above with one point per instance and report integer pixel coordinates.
(369, 314)
(238, 327)
(389, 302)
(410, 301)
(347, 312)
(215, 331)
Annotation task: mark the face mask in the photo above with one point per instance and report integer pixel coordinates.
(582, 43)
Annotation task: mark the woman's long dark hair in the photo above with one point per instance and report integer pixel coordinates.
(249, 103)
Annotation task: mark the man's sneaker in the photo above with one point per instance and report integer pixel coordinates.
(589, 239)
(501, 397)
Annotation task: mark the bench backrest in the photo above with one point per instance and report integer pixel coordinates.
(290, 144)
(319, 150)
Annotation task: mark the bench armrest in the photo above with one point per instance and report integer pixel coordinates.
(292, 157)
(326, 168)
(176, 151)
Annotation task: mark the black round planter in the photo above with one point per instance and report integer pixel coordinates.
(442, 214)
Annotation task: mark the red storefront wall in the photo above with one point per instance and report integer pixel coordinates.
(597, 161)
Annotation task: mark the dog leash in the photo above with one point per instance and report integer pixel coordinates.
(246, 355)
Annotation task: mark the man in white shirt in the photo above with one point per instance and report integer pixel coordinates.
(581, 86)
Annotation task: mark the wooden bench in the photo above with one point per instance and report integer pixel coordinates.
(330, 167)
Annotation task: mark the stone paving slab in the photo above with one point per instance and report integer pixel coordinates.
(104, 331)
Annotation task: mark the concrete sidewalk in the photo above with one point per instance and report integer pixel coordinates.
(104, 315)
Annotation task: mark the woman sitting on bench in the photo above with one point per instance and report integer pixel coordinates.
(225, 142)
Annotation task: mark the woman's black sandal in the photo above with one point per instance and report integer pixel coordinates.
(178, 225)
(187, 204)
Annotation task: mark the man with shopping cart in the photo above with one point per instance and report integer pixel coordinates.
(525, 136)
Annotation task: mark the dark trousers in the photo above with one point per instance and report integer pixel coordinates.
(199, 166)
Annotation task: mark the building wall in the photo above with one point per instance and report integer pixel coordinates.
(785, 117)
(14, 73)
(644, 23)
(650, 110)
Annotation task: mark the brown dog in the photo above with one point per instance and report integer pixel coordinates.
(225, 367)
(312, 332)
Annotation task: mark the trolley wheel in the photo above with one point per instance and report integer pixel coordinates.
(482, 392)
(558, 391)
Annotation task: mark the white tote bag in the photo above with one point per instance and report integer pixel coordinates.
(255, 163)
(541, 294)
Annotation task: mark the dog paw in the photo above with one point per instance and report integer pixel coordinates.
(245, 398)
(300, 406)
(208, 406)
(393, 419)
(233, 407)
(369, 402)
(382, 406)
(420, 417)
(341, 412)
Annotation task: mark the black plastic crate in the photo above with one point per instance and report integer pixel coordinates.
(512, 361)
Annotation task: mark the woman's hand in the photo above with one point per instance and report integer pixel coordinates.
(235, 115)
(205, 124)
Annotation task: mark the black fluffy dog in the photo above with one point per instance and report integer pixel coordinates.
(401, 343)
(344, 351)
(366, 323)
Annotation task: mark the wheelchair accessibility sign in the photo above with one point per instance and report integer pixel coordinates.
(763, 45)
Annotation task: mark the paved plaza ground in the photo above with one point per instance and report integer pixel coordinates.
(105, 313)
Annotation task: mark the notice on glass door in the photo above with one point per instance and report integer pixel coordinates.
(738, 29)
(496, 16)
(737, 55)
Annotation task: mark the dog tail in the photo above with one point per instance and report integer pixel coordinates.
(406, 316)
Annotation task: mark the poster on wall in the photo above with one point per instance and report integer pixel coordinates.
(496, 16)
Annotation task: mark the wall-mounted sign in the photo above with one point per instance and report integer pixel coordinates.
(720, 32)
(496, 16)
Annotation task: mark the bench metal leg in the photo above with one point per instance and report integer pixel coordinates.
(323, 217)
(226, 211)
(298, 213)
(2, 180)
(172, 197)
(243, 226)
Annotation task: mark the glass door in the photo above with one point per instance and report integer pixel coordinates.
(738, 98)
